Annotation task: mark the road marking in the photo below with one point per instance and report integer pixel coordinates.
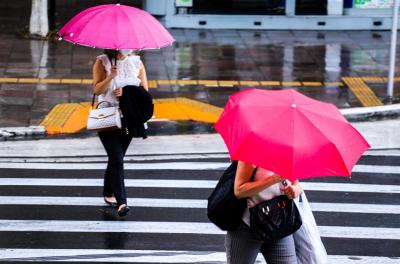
(361, 90)
(187, 203)
(104, 158)
(187, 184)
(176, 228)
(154, 256)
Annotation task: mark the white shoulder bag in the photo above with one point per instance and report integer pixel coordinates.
(106, 118)
(307, 240)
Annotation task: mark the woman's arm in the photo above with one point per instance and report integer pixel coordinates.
(143, 77)
(101, 81)
(244, 187)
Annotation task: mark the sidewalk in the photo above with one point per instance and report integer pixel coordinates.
(380, 135)
(191, 80)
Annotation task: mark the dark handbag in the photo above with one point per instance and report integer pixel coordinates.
(275, 219)
(224, 209)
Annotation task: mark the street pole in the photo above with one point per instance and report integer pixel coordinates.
(393, 48)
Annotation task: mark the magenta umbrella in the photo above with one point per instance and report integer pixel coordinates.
(289, 133)
(116, 27)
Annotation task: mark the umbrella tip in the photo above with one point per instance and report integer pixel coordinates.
(294, 105)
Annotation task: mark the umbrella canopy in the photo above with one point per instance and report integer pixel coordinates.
(291, 134)
(116, 27)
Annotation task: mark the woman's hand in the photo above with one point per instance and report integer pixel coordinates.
(114, 71)
(293, 191)
(118, 92)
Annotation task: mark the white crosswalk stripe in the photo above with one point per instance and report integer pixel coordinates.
(355, 234)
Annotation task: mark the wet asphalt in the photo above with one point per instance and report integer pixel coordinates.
(238, 55)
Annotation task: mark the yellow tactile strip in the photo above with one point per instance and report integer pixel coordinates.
(156, 83)
(72, 117)
(361, 90)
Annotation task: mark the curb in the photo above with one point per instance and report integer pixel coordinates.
(362, 114)
(357, 114)
(22, 132)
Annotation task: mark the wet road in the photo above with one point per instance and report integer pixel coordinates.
(46, 73)
(56, 213)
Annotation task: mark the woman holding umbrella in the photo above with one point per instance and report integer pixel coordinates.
(121, 28)
(242, 244)
(286, 136)
(129, 70)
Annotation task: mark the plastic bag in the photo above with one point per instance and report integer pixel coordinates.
(309, 247)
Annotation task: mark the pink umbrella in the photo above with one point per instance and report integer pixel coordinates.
(289, 133)
(116, 27)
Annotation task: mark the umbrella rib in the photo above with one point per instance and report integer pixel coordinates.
(330, 142)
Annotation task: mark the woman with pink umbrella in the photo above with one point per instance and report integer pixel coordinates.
(119, 29)
(279, 137)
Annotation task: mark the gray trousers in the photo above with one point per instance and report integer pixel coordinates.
(242, 247)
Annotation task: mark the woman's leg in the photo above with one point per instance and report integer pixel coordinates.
(280, 252)
(242, 247)
(107, 189)
(114, 146)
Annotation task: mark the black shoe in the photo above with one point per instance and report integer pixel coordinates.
(123, 210)
(112, 204)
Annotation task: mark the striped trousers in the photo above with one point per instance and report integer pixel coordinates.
(242, 247)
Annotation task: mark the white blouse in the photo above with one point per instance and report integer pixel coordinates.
(128, 74)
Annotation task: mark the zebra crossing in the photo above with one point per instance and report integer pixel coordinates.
(51, 210)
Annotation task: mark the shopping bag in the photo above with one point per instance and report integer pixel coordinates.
(308, 244)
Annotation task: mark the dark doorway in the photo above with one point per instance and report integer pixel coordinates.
(311, 7)
(239, 7)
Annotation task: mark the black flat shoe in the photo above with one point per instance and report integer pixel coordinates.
(111, 204)
(123, 211)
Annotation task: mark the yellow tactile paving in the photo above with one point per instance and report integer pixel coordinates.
(187, 82)
(72, 118)
(50, 81)
(71, 81)
(251, 83)
(87, 81)
(28, 80)
(8, 80)
(152, 84)
(58, 116)
(155, 83)
(228, 83)
(286, 83)
(270, 83)
(208, 82)
(335, 84)
(361, 90)
(166, 82)
(312, 83)
(373, 79)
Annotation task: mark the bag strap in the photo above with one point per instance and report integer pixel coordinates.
(94, 96)
(253, 175)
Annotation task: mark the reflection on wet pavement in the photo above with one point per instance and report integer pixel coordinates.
(314, 62)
